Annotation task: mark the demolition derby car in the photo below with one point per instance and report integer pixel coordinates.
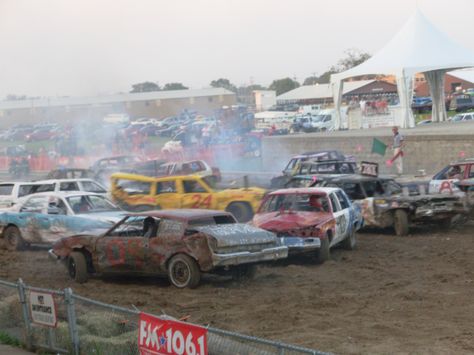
(181, 244)
(384, 203)
(445, 180)
(45, 217)
(141, 193)
(310, 220)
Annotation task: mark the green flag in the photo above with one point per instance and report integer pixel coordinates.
(378, 147)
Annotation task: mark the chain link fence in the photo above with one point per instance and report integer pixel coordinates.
(86, 326)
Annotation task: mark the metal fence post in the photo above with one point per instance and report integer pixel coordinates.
(26, 313)
(71, 320)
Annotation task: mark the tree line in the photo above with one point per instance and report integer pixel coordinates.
(352, 58)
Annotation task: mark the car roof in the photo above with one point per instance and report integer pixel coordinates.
(21, 182)
(353, 178)
(182, 214)
(145, 178)
(304, 190)
(65, 193)
(51, 181)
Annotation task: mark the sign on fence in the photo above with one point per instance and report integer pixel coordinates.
(166, 337)
(43, 309)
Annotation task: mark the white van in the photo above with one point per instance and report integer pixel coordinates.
(10, 192)
(326, 120)
(310, 109)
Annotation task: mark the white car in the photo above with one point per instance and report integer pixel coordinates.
(86, 185)
(11, 192)
(462, 117)
(444, 181)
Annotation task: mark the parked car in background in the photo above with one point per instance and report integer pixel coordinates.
(422, 104)
(462, 117)
(141, 193)
(461, 103)
(45, 217)
(42, 134)
(310, 220)
(180, 244)
(424, 122)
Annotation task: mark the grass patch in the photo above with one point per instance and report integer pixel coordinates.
(9, 340)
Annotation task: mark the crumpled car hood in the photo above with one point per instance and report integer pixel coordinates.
(235, 234)
(282, 222)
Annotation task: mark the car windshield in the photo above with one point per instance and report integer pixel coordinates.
(90, 204)
(296, 202)
(457, 118)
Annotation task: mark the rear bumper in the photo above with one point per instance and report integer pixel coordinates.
(270, 254)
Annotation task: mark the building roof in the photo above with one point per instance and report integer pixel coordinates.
(320, 91)
(467, 75)
(117, 98)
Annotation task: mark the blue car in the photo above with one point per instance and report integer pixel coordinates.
(46, 217)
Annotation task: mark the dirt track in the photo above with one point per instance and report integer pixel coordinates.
(392, 295)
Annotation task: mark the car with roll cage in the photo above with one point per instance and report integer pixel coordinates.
(182, 244)
(386, 203)
(310, 220)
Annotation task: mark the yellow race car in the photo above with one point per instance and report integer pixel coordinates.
(142, 193)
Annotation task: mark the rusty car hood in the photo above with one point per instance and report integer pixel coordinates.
(237, 234)
(284, 221)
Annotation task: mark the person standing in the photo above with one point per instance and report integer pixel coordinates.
(397, 150)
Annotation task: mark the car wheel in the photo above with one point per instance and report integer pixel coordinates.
(183, 271)
(13, 239)
(350, 242)
(400, 222)
(77, 267)
(241, 211)
(322, 254)
(244, 272)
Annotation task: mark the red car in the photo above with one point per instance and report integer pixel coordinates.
(182, 244)
(310, 220)
(42, 134)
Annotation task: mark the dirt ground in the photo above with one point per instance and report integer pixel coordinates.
(407, 295)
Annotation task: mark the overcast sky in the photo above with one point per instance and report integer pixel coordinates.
(90, 47)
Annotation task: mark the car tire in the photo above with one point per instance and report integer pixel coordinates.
(241, 211)
(351, 241)
(244, 272)
(13, 239)
(400, 222)
(323, 253)
(77, 267)
(183, 271)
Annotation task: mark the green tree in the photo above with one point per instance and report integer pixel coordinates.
(223, 83)
(174, 86)
(283, 85)
(146, 86)
(353, 57)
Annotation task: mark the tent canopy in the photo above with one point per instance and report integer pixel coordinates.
(418, 47)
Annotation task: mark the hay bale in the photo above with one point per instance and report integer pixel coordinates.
(10, 312)
(122, 344)
(102, 324)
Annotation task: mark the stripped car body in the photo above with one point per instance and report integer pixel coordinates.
(46, 217)
(310, 219)
(385, 203)
(148, 243)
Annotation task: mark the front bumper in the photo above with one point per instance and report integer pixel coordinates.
(298, 245)
(246, 257)
(52, 256)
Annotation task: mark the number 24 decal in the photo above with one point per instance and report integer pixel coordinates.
(199, 201)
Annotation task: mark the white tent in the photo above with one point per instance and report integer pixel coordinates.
(418, 47)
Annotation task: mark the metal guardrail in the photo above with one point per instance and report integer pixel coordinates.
(86, 326)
